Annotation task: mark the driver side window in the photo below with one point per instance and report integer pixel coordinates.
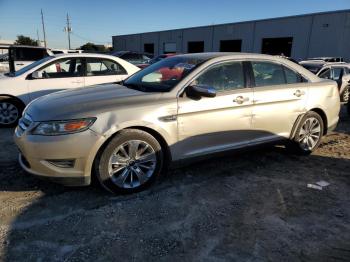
(71, 67)
(223, 77)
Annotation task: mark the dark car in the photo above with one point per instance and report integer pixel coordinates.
(133, 57)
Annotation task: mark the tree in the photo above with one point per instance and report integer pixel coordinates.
(93, 47)
(25, 40)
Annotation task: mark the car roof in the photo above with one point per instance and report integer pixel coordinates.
(83, 55)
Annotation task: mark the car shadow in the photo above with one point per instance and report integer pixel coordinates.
(232, 207)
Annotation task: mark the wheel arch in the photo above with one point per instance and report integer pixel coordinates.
(300, 117)
(151, 131)
(324, 118)
(14, 98)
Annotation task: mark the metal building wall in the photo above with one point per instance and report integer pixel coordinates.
(322, 34)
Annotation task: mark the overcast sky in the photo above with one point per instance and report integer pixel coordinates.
(97, 21)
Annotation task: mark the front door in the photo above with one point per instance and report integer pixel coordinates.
(208, 125)
(59, 75)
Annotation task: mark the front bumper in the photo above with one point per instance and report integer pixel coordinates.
(38, 152)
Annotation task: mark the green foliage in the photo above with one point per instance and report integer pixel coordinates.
(25, 40)
(93, 47)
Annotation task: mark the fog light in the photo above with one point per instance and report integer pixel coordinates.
(63, 163)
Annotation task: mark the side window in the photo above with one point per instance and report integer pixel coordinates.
(337, 73)
(292, 77)
(267, 74)
(325, 74)
(223, 77)
(103, 67)
(70, 67)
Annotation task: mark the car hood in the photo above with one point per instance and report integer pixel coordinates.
(86, 102)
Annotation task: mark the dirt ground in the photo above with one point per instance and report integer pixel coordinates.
(253, 206)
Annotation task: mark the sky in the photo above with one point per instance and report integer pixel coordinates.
(97, 21)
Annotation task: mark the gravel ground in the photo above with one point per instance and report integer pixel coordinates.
(253, 206)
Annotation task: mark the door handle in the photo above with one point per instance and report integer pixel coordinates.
(20, 64)
(241, 99)
(299, 93)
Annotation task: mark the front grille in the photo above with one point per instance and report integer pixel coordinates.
(24, 123)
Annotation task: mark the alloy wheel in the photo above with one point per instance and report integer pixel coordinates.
(310, 134)
(346, 95)
(132, 164)
(8, 113)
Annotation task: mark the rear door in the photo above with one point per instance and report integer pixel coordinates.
(58, 75)
(280, 96)
(102, 70)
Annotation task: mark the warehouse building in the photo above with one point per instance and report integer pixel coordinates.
(300, 37)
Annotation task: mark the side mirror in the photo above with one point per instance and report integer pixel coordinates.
(198, 91)
(37, 75)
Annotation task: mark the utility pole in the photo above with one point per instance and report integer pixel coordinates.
(42, 21)
(68, 29)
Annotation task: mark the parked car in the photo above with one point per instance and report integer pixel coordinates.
(155, 60)
(133, 57)
(126, 135)
(327, 59)
(55, 73)
(313, 66)
(21, 56)
(338, 72)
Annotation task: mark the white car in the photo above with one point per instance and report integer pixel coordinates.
(55, 73)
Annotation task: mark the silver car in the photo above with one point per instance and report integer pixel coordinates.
(180, 108)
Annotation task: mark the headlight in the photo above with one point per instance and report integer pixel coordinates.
(53, 128)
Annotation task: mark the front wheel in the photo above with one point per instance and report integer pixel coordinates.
(308, 134)
(130, 162)
(10, 112)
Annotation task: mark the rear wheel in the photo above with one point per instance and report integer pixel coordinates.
(130, 162)
(10, 112)
(308, 134)
(344, 97)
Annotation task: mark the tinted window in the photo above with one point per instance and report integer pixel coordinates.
(266, 74)
(337, 73)
(224, 77)
(29, 54)
(102, 67)
(291, 76)
(70, 67)
(326, 73)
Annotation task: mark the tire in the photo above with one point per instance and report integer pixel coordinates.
(122, 169)
(307, 140)
(10, 112)
(344, 97)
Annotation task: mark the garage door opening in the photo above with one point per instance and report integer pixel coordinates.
(148, 48)
(230, 45)
(195, 47)
(277, 46)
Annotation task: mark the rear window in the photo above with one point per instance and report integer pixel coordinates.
(28, 54)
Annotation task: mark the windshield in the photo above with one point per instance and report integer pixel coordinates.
(32, 65)
(164, 75)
